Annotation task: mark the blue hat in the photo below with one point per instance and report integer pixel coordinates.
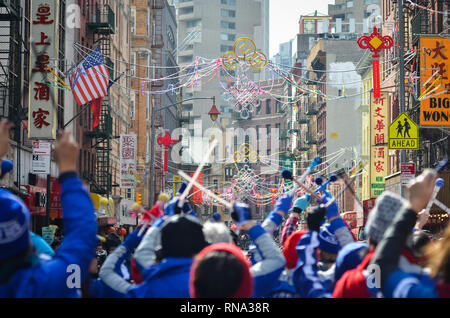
(328, 242)
(349, 258)
(14, 225)
(216, 217)
(302, 202)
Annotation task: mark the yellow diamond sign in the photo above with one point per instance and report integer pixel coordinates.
(376, 42)
(403, 133)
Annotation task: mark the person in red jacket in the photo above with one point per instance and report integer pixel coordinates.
(354, 283)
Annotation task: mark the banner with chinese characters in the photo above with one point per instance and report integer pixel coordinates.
(43, 98)
(128, 149)
(379, 123)
(435, 81)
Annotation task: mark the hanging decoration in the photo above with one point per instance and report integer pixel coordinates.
(375, 42)
(166, 141)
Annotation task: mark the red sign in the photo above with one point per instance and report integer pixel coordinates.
(196, 193)
(408, 172)
(55, 196)
(367, 207)
(350, 219)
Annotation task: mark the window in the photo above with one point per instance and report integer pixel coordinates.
(349, 4)
(133, 20)
(149, 23)
(268, 131)
(228, 13)
(192, 23)
(268, 106)
(132, 105)
(258, 108)
(133, 63)
(227, 25)
(279, 107)
(186, 59)
(227, 37)
(226, 48)
(228, 2)
(186, 10)
(148, 108)
(188, 107)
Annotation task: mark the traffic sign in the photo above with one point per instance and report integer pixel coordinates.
(403, 133)
(41, 158)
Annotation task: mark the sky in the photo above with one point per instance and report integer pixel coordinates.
(284, 17)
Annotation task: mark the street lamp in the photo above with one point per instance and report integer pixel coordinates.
(213, 113)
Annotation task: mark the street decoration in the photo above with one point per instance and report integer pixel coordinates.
(403, 133)
(375, 42)
(166, 141)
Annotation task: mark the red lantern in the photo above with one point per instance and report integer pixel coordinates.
(110, 230)
(121, 231)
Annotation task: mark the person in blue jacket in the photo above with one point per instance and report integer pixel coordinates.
(164, 258)
(115, 263)
(309, 279)
(221, 270)
(22, 273)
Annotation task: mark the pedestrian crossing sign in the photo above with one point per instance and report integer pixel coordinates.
(403, 133)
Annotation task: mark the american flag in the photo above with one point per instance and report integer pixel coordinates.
(89, 81)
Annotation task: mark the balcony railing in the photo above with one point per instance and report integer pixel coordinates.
(309, 140)
(103, 21)
(312, 110)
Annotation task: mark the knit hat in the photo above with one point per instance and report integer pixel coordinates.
(14, 225)
(245, 289)
(289, 248)
(349, 258)
(182, 236)
(301, 203)
(383, 213)
(328, 241)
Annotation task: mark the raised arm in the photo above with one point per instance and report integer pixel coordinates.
(394, 282)
(110, 271)
(80, 227)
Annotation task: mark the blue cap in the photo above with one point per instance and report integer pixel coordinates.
(349, 258)
(328, 241)
(14, 225)
(216, 217)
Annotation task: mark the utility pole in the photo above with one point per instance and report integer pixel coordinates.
(401, 64)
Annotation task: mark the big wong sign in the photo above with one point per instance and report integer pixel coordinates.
(435, 86)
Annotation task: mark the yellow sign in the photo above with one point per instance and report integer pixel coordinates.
(176, 181)
(435, 86)
(403, 133)
(334, 135)
(379, 110)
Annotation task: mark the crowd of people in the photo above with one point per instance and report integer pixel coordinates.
(174, 255)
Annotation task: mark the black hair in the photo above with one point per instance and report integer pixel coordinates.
(218, 275)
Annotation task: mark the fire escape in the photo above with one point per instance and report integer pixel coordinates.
(11, 69)
(157, 86)
(102, 27)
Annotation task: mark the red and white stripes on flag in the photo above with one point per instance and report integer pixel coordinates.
(89, 81)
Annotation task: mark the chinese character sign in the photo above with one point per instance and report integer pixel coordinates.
(435, 86)
(379, 108)
(128, 148)
(44, 24)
